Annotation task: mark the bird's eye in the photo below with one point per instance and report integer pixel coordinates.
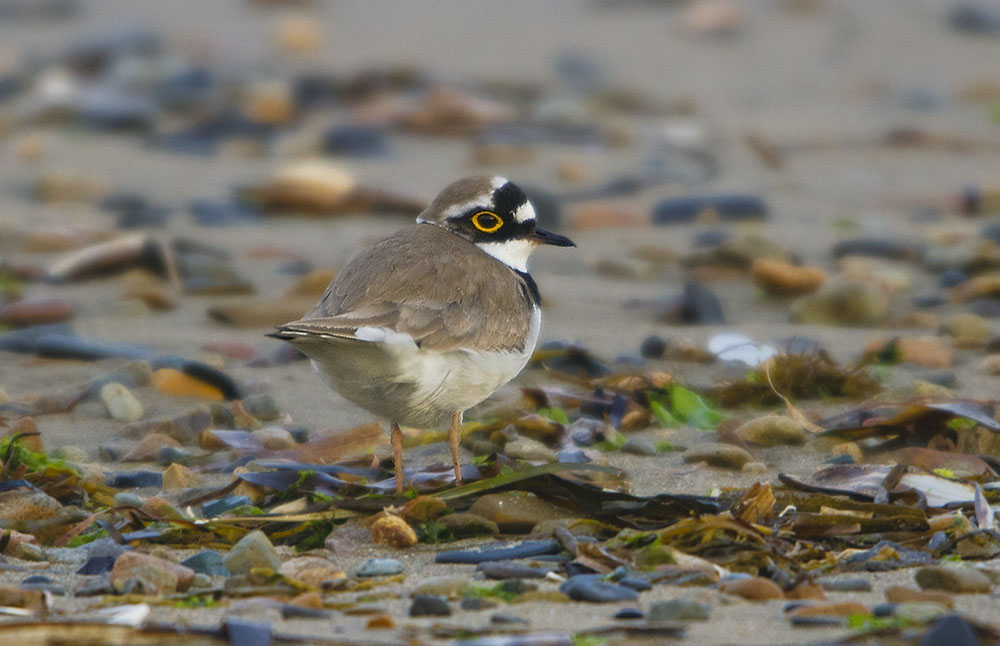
(487, 221)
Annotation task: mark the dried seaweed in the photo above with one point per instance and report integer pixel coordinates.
(797, 376)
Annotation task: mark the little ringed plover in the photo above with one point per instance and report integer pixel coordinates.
(435, 318)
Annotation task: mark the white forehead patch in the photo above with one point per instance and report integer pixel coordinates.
(498, 181)
(524, 213)
(513, 253)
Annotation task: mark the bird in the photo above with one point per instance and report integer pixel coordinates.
(430, 321)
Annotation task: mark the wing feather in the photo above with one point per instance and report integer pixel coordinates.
(428, 283)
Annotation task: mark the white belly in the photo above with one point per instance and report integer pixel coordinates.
(391, 377)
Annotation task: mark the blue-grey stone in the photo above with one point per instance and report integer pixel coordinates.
(97, 565)
(892, 248)
(429, 605)
(729, 207)
(500, 552)
(511, 570)
(678, 610)
(653, 347)
(134, 479)
(951, 630)
(207, 562)
(952, 277)
(594, 587)
(212, 213)
(379, 567)
(355, 141)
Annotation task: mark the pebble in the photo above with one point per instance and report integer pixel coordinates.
(806, 590)
(516, 512)
(678, 610)
(988, 308)
(784, 279)
(953, 579)
(174, 382)
(150, 447)
(70, 346)
(97, 565)
(639, 446)
(983, 286)
(393, 531)
(134, 479)
(697, 305)
(207, 562)
(852, 303)
(653, 347)
(275, 438)
(36, 311)
(772, 430)
(178, 476)
(902, 594)
(297, 34)
(724, 456)
(981, 18)
(507, 570)
(121, 404)
(476, 603)
(715, 18)
(879, 248)
(13, 596)
(525, 448)
(951, 630)
(990, 365)
(448, 586)
(968, 330)
(379, 567)
(924, 351)
(593, 587)
(629, 613)
(845, 585)
(951, 277)
(160, 575)
(500, 552)
(252, 551)
(128, 499)
(707, 208)
(211, 213)
(355, 141)
(429, 606)
(262, 406)
(752, 588)
(312, 571)
(380, 622)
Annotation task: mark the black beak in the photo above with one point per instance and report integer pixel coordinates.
(541, 236)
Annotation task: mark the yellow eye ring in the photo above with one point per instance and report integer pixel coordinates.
(495, 221)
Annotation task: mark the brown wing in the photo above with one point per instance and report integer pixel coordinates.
(428, 283)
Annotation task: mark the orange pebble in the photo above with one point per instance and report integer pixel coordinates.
(380, 621)
(175, 382)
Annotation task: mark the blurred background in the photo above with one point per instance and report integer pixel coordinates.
(214, 164)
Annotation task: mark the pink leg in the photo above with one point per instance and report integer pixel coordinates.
(454, 437)
(397, 456)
